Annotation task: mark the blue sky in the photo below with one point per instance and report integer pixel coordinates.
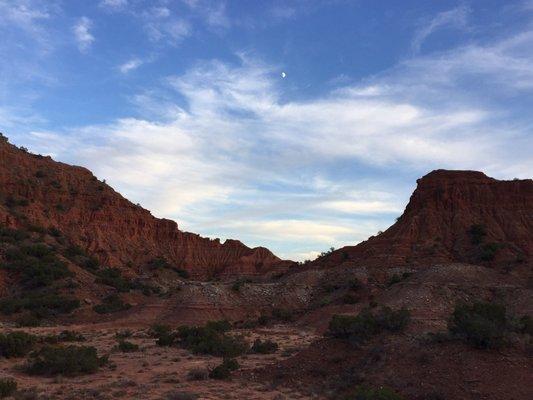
(296, 125)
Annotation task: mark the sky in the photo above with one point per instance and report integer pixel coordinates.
(297, 125)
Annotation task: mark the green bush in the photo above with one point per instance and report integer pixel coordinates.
(394, 279)
(124, 334)
(526, 325)
(477, 233)
(8, 386)
(350, 298)
(64, 336)
(113, 277)
(9, 235)
(36, 264)
(383, 393)
(69, 361)
(182, 273)
(282, 314)
(29, 320)
(16, 344)
(209, 340)
(111, 304)
(222, 325)
(157, 330)
(488, 251)
(358, 329)
(127, 347)
(163, 334)
(224, 370)
(42, 304)
(483, 325)
(238, 284)
(393, 321)
(264, 347)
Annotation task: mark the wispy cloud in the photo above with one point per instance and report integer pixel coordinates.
(162, 25)
(456, 18)
(113, 4)
(27, 16)
(212, 13)
(82, 34)
(130, 65)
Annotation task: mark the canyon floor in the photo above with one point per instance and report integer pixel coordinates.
(155, 372)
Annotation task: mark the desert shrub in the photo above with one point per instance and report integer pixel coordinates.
(90, 263)
(28, 320)
(111, 304)
(36, 264)
(16, 344)
(480, 324)
(198, 374)
(488, 251)
(394, 279)
(41, 304)
(53, 231)
(350, 298)
(222, 325)
(525, 325)
(238, 284)
(113, 277)
(157, 330)
(366, 324)
(182, 273)
(73, 251)
(282, 314)
(8, 386)
(477, 233)
(12, 202)
(158, 263)
(176, 395)
(64, 336)
(263, 320)
(355, 284)
(356, 329)
(124, 334)
(224, 370)
(383, 393)
(393, 321)
(209, 340)
(163, 334)
(127, 347)
(161, 262)
(264, 347)
(69, 361)
(10, 235)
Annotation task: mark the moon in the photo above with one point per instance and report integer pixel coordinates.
(283, 75)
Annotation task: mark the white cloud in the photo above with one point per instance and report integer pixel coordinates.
(212, 13)
(161, 26)
(130, 65)
(282, 12)
(82, 34)
(28, 17)
(114, 4)
(455, 18)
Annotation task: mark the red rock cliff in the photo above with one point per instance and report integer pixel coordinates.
(37, 190)
(453, 216)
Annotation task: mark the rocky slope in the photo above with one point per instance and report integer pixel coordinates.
(453, 216)
(37, 191)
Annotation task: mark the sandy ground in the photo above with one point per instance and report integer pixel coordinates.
(162, 372)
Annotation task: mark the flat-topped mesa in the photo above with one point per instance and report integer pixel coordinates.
(36, 190)
(453, 216)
